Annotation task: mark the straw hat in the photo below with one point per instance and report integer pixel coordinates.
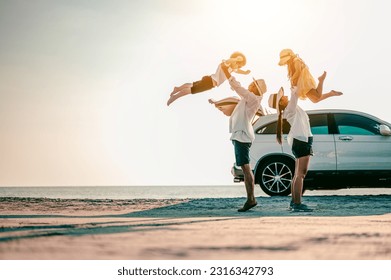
(261, 85)
(241, 56)
(274, 99)
(285, 55)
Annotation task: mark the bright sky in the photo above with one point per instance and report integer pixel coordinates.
(84, 84)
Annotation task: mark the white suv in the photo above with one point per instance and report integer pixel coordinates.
(351, 149)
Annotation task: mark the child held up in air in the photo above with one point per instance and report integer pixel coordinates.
(234, 64)
(300, 77)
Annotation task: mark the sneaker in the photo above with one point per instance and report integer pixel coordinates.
(290, 207)
(300, 208)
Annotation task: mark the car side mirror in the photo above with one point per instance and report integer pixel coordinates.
(384, 130)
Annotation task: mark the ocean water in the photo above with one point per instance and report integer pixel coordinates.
(161, 192)
(125, 192)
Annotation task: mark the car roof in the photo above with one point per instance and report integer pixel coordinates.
(273, 117)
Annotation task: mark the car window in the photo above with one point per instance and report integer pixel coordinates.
(319, 124)
(356, 125)
(271, 128)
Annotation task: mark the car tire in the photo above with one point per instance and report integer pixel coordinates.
(274, 175)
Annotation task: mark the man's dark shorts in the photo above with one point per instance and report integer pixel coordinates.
(302, 149)
(242, 152)
(205, 84)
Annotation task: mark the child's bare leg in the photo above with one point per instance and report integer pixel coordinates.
(317, 95)
(182, 87)
(312, 95)
(330, 94)
(181, 93)
(321, 78)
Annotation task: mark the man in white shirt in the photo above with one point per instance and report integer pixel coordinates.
(242, 130)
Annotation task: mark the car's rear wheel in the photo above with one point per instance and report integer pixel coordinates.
(275, 175)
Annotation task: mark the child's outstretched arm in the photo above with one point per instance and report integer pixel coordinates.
(240, 71)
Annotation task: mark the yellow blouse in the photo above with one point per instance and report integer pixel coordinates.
(301, 77)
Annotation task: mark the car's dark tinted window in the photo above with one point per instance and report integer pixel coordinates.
(271, 128)
(356, 125)
(319, 124)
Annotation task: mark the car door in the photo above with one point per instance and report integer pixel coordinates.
(359, 144)
(265, 142)
(324, 158)
(323, 146)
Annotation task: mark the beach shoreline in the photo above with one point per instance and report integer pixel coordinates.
(340, 228)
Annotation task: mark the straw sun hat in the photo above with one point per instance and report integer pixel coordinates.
(285, 55)
(261, 85)
(274, 99)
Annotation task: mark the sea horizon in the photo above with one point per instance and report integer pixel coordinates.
(124, 192)
(160, 192)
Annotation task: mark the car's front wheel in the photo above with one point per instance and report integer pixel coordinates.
(275, 175)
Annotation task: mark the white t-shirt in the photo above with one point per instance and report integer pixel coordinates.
(219, 77)
(244, 112)
(298, 119)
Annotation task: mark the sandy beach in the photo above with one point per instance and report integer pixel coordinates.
(340, 228)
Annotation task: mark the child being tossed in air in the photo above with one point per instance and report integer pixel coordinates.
(300, 77)
(236, 61)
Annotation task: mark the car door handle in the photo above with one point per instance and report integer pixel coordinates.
(346, 138)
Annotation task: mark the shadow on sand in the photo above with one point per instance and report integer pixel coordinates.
(186, 212)
(273, 207)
